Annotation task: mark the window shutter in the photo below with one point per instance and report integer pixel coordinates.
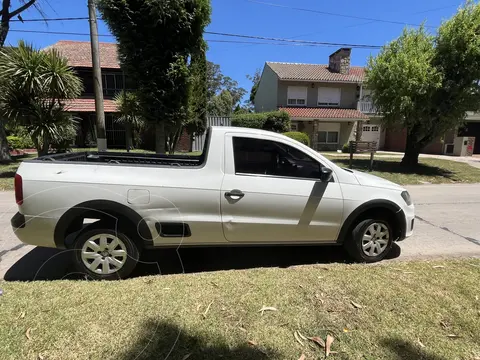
(328, 96)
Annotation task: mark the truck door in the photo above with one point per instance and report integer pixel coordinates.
(272, 192)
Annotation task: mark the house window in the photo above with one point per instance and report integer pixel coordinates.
(328, 96)
(366, 128)
(375, 128)
(328, 137)
(297, 95)
(113, 83)
(294, 127)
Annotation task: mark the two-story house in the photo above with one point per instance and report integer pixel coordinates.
(330, 103)
(78, 54)
(322, 100)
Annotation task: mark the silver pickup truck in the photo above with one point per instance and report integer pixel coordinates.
(247, 187)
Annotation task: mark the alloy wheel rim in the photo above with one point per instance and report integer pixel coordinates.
(375, 239)
(104, 254)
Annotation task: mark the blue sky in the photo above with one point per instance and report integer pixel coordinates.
(249, 18)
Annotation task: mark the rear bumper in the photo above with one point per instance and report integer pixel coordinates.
(34, 230)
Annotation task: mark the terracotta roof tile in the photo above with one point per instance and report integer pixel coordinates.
(324, 113)
(78, 53)
(315, 72)
(88, 105)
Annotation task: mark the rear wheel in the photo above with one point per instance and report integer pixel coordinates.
(370, 240)
(105, 254)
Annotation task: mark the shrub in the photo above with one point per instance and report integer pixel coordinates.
(299, 136)
(346, 148)
(20, 141)
(65, 137)
(14, 142)
(277, 121)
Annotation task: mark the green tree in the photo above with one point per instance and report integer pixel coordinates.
(217, 86)
(156, 39)
(255, 79)
(34, 87)
(425, 83)
(6, 15)
(130, 115)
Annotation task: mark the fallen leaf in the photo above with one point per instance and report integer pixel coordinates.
(148, 281)
(302, 357)
(251, 342)
(27, 333)
(267, 308)
(438, 267)
(345, 330)
(166, 289)
(297, 337)
(301, 286)
(214, 284)
(420, 343)
(328, 344)
(41, 357)
(319, 341)
(356, 305)
(22, 315)
(408, 272)
(186, 356)
(208, 308)
(199, 306)
(301, 335)
(444, 324)
(243, 329)
(453, 336)
(476, 297)
(223, 308)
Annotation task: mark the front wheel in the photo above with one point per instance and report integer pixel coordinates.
(105, 254)
(370, 241)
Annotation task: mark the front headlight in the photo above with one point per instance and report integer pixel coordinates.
(407, 198)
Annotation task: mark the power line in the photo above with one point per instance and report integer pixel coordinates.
(297, 42)
(336, 14)
(294, 41)
(49, 19)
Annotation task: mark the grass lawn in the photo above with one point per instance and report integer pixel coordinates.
(397, 310)
(435, 171)
(7, 172)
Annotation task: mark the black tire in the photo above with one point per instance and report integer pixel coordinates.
(129, 247)
(353, 244)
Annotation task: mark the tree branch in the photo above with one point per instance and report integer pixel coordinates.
(5, 14)
(21, 8)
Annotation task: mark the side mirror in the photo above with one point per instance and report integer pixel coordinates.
(325, 174)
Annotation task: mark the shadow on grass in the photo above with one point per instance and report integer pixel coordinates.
(395, 167)
(161, 340)
(7, 174)
(55, 264)
(406, 351)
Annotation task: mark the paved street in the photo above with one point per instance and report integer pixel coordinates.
(447, 225)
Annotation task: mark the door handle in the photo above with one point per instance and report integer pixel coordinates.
(235, 194)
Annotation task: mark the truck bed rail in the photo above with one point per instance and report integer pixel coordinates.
(125, 158)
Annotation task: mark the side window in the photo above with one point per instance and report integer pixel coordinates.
(266, 157)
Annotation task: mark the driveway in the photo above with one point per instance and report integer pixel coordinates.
(446, 226)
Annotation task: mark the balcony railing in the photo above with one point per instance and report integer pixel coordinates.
(366, 107)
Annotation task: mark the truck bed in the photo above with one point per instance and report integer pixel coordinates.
(109, 157)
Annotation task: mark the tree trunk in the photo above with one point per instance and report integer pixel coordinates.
(45, 146)
(4, 150)
(190, 145)
(129, 136)
(3, 33)
(159, 137)
(412, 151)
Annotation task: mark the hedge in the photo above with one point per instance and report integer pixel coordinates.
(299, 136)
(277, 121)
(19, 142)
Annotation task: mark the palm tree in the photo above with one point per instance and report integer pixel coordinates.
(34, 88)
(130, 114)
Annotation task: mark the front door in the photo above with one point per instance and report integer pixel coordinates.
(272, 192)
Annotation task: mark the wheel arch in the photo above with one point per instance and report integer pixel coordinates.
(103, 210)
(386, 208)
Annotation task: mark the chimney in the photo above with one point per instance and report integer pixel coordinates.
(339, 61)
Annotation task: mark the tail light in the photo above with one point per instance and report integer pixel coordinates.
(18, 189)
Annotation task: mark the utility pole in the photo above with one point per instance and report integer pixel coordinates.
(97, 78)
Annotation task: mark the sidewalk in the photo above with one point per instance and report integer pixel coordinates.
(471, 160)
